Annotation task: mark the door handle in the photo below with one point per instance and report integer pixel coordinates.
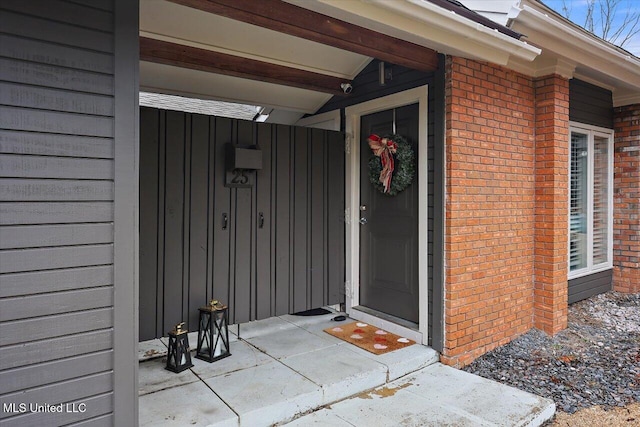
(225, 221)
(260, 220)
(363, 220)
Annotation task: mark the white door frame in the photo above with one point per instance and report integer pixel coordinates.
(352, 214)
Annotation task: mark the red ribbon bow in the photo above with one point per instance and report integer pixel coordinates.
(384, 148)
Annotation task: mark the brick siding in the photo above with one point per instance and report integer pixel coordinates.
(626, 216)
(552, 203)
(490, 212)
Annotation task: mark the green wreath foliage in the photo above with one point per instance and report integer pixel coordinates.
(404, 170)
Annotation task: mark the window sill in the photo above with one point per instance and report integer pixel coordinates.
(582, 273)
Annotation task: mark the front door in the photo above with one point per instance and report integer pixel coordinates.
(389, 224)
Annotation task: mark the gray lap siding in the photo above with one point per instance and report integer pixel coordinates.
(57, 110)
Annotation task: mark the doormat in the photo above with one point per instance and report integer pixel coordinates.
(370, 338)
(313, 312)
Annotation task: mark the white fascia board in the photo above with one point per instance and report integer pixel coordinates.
(428, 25)
(560, 37)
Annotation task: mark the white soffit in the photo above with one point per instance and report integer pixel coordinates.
(163, 20)
(594, 60)
(496, 10)
(160, 78)
(428, 25)
(175, 23)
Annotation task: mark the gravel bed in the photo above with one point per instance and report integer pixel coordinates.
(595, 361)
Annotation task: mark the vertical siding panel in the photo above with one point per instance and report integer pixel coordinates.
(300, 220)
(273, 216)
(162, 173)
(335, 220)
(282, 247)
(186, 218)
(317, 215)
(263, 294)
(294, 262)
(199, 212)
(210, 204)
(149, 142)
(244, 227)
(221, 206)
(174, 221)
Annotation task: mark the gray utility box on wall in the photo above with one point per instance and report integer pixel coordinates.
(243, 157)
(240, 160)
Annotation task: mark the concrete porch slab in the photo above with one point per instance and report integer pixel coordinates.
(266, 394)
(152, 376)
(339, 373)
(151, 349)
(321, 418)
(402, 361)
(188, 405)
(439, 395)
(303, 321)
(243, 356)
(282, 368)
(288, 342)
(260, 328)
(399, 363)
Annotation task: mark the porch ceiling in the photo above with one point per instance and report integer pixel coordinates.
(169, 22)
(254, 52)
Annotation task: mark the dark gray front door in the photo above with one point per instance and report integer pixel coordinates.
(389, 239)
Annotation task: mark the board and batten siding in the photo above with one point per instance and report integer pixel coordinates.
(274, 248)
(57, 150)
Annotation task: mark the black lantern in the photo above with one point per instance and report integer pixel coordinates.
(213, 332)
(178, 357)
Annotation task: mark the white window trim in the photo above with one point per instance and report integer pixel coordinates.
(592, 131)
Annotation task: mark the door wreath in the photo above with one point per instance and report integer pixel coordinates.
(392, 168)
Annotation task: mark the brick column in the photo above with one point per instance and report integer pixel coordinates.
(626, 213)
(551, 203)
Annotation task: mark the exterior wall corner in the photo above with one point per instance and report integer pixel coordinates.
(551, 207)
(626, 193)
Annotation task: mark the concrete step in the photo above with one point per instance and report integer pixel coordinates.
(279, 369)
(283, 368)
(437, 395)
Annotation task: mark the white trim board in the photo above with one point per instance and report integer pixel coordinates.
(387, 325)
(352, 199)
(329, 121)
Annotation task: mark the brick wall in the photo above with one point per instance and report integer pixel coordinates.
(626, 216)
(490, 212)
(552, 206)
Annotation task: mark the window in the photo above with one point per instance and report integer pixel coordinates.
(590, 200)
